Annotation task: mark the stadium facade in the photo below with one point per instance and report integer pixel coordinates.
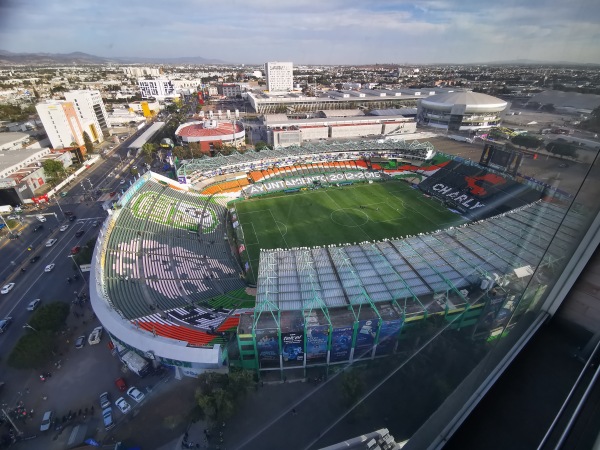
(461, 111)
(211, 133)
(169, 265)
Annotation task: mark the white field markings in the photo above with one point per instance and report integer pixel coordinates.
(358, 226)
(279, 229)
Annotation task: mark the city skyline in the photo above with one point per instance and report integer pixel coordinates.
(305, 32)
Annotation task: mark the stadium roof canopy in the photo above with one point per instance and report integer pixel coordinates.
(473, 100)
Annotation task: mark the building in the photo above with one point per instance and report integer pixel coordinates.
(230, 89)
(159, 89)
(137, 72)
(63, 125)
(90, 107)
(461, 111)
(13, 140)
(212, 134)
(280, 76)
(147, 109)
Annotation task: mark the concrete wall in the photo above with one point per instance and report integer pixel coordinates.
(348, 131)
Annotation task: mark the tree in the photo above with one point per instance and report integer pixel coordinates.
(148, 150)
(218, 394)
(260, 145)
(525, 140)
(89, 147)
(50, 317)
(180, 152)
(194, 148)
(562, 149)
(53, 168)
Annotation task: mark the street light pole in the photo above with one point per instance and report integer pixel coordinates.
(78, 268)
(61, 210)
(6, 225)
(30, 327)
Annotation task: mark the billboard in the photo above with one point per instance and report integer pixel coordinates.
(388, 334)
(293, 346)
(316, 343)
(341, 342)
(365, 338)
(267, 344)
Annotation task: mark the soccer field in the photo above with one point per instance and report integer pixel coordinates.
(338, 215)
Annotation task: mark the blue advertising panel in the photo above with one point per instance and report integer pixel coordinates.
(293, 346)
(316, 343)
(388, 334)
(365, 338)
(267, 344)
(341, 342)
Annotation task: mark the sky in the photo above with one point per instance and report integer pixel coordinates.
(309, 31)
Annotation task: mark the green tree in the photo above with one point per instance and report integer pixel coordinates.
(89, 147)
(53, 168)
(181, 152)
(562, 149)
(260, 145)
(33, 350)
(526, 140)
(194, 148)
(148, 150)
(50, 317)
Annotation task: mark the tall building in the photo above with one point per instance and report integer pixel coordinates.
(280, 76)
(141, 71)
(61, 122)
(90, 107)
(159, 89)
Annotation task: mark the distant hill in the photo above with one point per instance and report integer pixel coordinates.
(8, 58)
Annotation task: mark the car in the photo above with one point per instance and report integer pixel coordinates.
(64, 227)
(563, 165)
(121, 384)
(33, 304)
(122, 181)
(135, 394)
(75, 250)
(95, 223)
(4, 323)
(68, 213)
(7, 288)
(107, 418)
(49, 267)
(50, 242)
(64, 194)
(72, 218)
(112, 194)
(104, 401)
(95, 336)
(79, 233)
(47, 421)
(34, 259)
(40, 218)
(123, 406)
(39, 227)
(80, 342)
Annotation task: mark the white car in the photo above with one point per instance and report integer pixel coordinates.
(33, 304)
(135, 394)
(64, 228)
(123, 406)
(95, 336)
(40, 218)
(7, 288)
(50, 242)
(122, 181)
(49, 267)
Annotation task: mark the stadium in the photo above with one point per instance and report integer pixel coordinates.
(293, 262)
(461, 111)
(211, 133)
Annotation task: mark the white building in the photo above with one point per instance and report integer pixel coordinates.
(159, 89)
(280, 76)
(62, 123)
(141, 71)
(90, 107)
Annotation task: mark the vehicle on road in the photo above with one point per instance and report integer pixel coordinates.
(72, 218)
(104, 401)
(79, 233)
(64, 227)
(123, 406)
(7, 288)
(50, 242)
(122, 181)
(40, 218)
(33, 304)
(75, 250)
(4, 323)
(39, 227)
(64, 194)
(135, 394)
(95, 223)
(121, 384)
(80, 342)
(107, 418)
(49, 267)
(68, 213)
(47, 421)
(34, 259)
(95, 336)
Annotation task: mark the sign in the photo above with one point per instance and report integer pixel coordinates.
(341, 342)
(85, 267)
(182, 180)
(388, 334)
(365, 338)
(267, 345)
(316, 343)
(293, 346)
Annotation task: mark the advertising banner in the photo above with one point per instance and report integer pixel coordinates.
(267, 344)
(388, 336)
(341, 342)
(316, 343)
(367, 331)
(293, 346)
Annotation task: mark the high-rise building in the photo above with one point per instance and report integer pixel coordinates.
(61, 122)
(280, 76)
(89, 106)
(158, 89)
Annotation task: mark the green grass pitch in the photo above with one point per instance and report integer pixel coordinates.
(338, 215)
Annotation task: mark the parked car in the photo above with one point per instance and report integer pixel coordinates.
(123, 406)
(107, 418)
(64, 227)
(80, 342)
(49, 267)
(33, 304)
(79, 233)
(47, 421)
(135, 394)
(50, 242)
(121, 384)
(7, 288)
(95, 336)
(104, 401)
(4, 323)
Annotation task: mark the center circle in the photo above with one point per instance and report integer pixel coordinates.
(349, 217)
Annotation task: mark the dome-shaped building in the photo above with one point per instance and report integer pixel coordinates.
(464, 110)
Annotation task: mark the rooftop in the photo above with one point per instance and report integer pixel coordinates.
(225, 128)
